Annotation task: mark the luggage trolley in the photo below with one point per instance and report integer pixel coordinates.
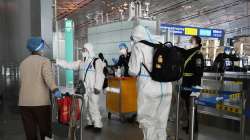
(121, 97)
(79, 123)
(69, 92)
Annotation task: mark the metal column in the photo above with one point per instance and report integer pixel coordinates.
(243, 116)
(192, 117)
(177, 112)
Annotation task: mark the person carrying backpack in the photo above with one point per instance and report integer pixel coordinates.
(154, 98)
(91, 73)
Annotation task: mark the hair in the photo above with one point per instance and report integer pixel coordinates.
(35, 53)
(197, 39)
(101, 56)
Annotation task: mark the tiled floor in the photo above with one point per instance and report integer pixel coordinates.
(11, 125)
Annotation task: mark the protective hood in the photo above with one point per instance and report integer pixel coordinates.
(141, 33)
(89, 48)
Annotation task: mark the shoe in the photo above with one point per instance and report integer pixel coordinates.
(88, 127)
(186, 129)
(97, 130)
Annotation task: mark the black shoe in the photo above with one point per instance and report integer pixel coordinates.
(132, 119)
(88, 127)
(97, 130)
(186, 129)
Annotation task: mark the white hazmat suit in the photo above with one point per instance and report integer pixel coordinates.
(94, 80)
(154, 98)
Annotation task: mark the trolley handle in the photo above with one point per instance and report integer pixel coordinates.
(73, 95)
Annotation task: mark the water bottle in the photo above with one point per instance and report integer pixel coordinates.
(118, 72)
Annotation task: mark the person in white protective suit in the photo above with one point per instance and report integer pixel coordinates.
(93, 83)
(154, 98)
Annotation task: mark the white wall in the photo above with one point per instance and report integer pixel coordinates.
(23, 20)
(20, 20)
(106, 38)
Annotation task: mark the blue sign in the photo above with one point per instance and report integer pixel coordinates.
(218, 33)
(176, 29)
(203, 32)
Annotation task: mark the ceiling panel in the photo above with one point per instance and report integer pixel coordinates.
(203, 13)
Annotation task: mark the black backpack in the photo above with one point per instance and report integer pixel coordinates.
(167, 62)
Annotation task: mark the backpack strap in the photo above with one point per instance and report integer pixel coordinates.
(146, 68)
(150, 44)
(153, 45)
(147, 43)
(85, 75)
(94, 61)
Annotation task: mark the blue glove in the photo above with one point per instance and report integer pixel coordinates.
(58, 94)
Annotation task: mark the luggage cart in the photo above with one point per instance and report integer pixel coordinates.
(70, 92)
(121, 98)
(79, 123)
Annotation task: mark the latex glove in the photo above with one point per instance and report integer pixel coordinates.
(196, 88)
(58, 62)
(195, 94)
(53, 60)
(96, 91)
(58, 94)
(196, 91)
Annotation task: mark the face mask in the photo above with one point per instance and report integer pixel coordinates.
(233, 52)
(193, 43)
(41, 53)
(132, 43)
(227, 52)
(123, 51)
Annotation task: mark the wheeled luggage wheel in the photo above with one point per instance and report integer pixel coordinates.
(109, 115)
(123, 118)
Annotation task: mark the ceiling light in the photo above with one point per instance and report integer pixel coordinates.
(187, 6)
(125, 4)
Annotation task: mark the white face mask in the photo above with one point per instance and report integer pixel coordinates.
(227, 52)
(233, 52)
(123, 51)
(42, 52)
(132, 43)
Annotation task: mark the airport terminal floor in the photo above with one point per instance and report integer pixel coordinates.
(11, 127)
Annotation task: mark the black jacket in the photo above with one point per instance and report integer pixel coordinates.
(195, 67)
(219, 62)
(123, 62)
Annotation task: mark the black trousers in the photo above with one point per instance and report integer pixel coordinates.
(37, 118)
(185, 95)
